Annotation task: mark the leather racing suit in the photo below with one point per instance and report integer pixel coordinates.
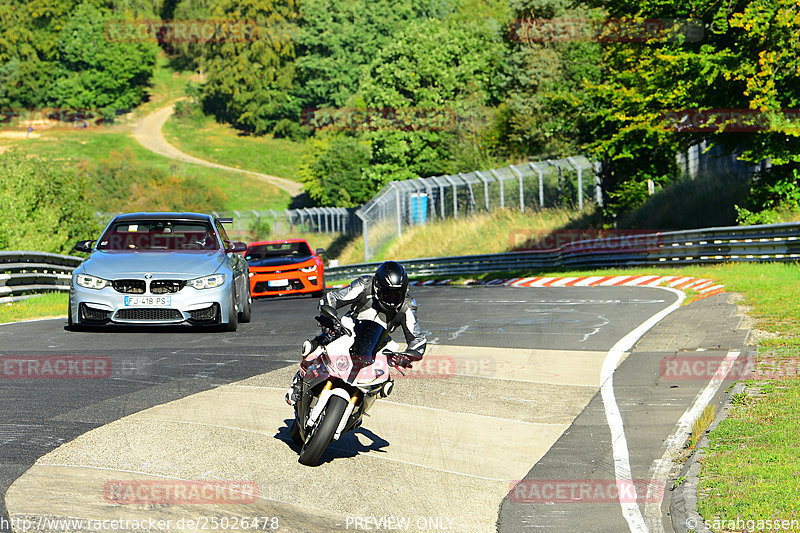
(358, 295)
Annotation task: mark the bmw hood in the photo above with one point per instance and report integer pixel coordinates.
(277, 261)
(117, 264)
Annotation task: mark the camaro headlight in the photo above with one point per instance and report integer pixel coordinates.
(208, 282)
(311, 268)
(91, 282)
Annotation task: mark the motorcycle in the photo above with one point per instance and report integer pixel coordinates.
(340, 380)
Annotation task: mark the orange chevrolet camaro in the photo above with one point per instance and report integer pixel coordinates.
(285, 267)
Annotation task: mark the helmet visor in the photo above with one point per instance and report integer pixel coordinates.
(391, 296)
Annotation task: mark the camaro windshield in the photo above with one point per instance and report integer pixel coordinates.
(279, 249)
(159, 235)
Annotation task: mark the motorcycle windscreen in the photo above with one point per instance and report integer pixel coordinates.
(369, 338)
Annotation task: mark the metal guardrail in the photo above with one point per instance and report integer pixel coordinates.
(25, 274)
(763, 243)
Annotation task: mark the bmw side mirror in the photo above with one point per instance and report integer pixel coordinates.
(84, 246)
(235, 247)
(320, 251)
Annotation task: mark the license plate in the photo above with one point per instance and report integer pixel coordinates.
(147, 301)
(278, 283)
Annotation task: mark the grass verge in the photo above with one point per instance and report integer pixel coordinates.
(483, 233)
(751, 470)
(45, 305)
(95, 146)
(167, 85)
(201, 136)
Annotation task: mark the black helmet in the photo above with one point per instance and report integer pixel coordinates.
(389, 285)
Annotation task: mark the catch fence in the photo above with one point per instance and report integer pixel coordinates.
(570, 181)
(251, 225)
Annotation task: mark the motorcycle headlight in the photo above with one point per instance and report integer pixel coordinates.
(311, 268)
(208, 282)
(91, 282)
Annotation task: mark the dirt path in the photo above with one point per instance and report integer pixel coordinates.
(148, 133)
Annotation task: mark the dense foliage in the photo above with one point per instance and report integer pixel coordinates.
(73, 55)
(120, 179)
(742, 56)
(426, 87)
(44, 205)
(250, 78)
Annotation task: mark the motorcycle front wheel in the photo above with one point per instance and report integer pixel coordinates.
(294, 433)
(322, 434)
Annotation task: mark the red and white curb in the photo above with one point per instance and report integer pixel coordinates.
(704, 287)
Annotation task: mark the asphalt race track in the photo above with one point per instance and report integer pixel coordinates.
(509, 393)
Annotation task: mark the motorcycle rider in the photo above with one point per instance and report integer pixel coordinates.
(384, 293)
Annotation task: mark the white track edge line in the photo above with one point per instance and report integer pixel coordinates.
(619, 445)
(673, 443)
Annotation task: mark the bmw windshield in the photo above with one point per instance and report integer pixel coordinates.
(151, 235)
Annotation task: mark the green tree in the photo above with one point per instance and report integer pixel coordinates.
(332, 170)
(337, 39)
(186, 54)
(97, 72)
(43, 205)
(549, 63)
(249, 80)
(746, 57)
(440, 81)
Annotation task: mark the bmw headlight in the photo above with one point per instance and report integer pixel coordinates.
(312, 268)
(208, 282)
(91, 282)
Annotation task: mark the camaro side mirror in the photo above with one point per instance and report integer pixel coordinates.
(320, 251)
(84, 246)
(236, 247)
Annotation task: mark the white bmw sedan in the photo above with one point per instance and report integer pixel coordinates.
(161, 268)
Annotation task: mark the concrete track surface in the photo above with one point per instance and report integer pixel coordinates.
(510, 384)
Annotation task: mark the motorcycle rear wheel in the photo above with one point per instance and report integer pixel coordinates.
(322, 435)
